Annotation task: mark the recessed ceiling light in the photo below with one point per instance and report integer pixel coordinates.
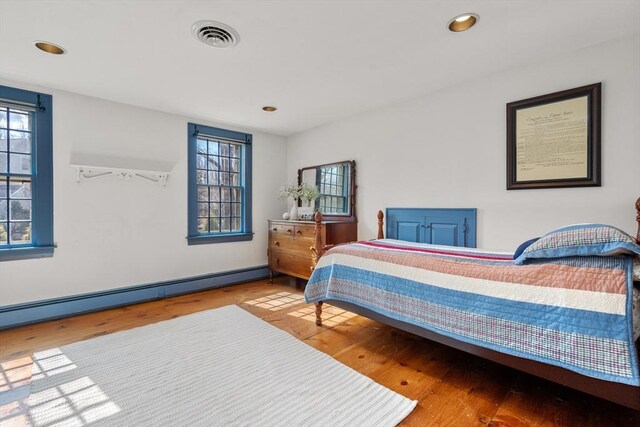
(50, 48)
(269, 108)
(463, 22)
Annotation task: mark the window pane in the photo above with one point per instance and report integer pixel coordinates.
(202, 146)
(235, 179)
(20, 142)
(235, 224)
(214, 224)
(226, 194)
(213, 148)
(226, 225)
(4, 214)
(237, 194)
(3, 140)
(18, 121)
(203, 194)
(234, 150)
(214, 210)
(20, 210)
(4, 235)
(202, 161)
(224, 178)
(235, 165)
(213, 178)
(224, 166)
(203, 225)
(3, 188)
(203, 209)
(202, 177)
(237, 209)
(3, 118)
(213, 163)
(224, 149)
(18, 189)
(215, 194)
(4, 165)
(226, 209)
(20, 163)
(20, 232)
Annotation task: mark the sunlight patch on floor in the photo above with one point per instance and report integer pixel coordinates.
(51, 362)
(74, 403)
(15, 377)
(276, 302)
(331, 316)
(15, 373)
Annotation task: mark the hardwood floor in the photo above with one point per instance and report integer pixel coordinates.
(452, 387)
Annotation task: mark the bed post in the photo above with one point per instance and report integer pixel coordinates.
(318, 250)
(380, 224)
(317, 244)
(319, 313)
(638, 219)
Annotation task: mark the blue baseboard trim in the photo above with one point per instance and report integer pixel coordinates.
(56, 308)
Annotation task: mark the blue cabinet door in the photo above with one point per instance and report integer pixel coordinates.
(451, 227)
(408, 227)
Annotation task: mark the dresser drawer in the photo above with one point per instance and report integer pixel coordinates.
(290, 264)
(286, 229)
(305, 231)
(295, 245)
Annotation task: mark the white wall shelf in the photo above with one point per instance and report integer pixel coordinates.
(91, 172)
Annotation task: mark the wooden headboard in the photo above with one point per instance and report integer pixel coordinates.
(381, 222)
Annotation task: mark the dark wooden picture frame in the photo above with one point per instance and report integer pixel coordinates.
(553, 108)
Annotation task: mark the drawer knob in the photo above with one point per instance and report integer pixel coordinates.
(288, 230)
(299, 232)
(275, 229)
(276, 243)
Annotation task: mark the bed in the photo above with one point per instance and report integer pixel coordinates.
(559, 310)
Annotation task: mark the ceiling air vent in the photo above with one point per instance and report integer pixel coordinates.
(215, 34)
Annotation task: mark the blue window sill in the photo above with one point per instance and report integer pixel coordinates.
(219, 238)
(13, 254)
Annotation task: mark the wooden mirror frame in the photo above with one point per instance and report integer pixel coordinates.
(352, 190)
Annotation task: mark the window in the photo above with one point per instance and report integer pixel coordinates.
(332, 182)
(26, 174)
(219, 185)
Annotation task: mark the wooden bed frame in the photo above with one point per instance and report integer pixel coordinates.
(622, 394)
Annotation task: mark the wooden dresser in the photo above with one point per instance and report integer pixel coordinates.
(293, 244)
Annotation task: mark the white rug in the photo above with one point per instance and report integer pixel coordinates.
(217, 367)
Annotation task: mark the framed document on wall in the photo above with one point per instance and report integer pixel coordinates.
(554, 140)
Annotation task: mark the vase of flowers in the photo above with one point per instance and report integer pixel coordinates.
(291, 191)
(306, 192)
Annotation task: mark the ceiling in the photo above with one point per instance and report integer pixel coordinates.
(317, 61)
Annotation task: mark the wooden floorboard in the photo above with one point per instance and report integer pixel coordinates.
(452, 388)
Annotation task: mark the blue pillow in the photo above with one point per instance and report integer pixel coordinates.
(581, 240)
(524, 246)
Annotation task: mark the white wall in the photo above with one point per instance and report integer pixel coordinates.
(113, 233)
(448, 149)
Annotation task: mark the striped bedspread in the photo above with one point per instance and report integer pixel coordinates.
(572, 312)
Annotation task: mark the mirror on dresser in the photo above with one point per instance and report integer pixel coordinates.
(336, 184)
(294, 245)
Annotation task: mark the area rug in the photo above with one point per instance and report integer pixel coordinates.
(217, 367)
